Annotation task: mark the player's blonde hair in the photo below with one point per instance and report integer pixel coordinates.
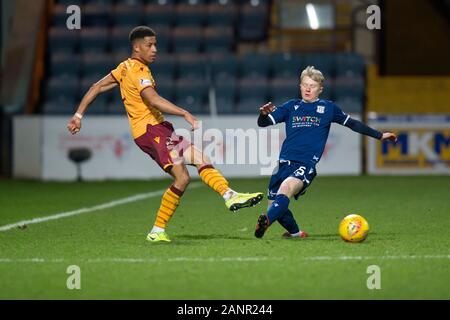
(313, 73)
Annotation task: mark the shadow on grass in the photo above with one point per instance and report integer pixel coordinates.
(209, 237)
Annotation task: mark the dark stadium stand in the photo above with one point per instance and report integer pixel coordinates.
(197, 50)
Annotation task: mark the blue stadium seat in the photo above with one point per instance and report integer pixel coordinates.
(119, 39)
(187, 39)
(284, 89)
(252, 93)
(62, 87)
(224, 67)
(164, 68)
(59, 15)
(286, 65)
(221, 14)
(97, 64)
(130, 2)
(96, 14)
(255, 65)
(127, 15)
(349, 65)
(350, 105)
(156, 14)
(94, 40)
(192, 66)
(218, 39)
(349, 88)
(166, 88)
(60, 39)
(253, 21)
(225, 95)
(190, 15)
(163, 37)
(162, 2)
(115, 106)
(323, 61)
(64, 64)
(191, 95)
(328, 89)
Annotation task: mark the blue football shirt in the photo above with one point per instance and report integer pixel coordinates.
(307, 127)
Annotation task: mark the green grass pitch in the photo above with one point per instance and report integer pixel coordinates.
(213, 253)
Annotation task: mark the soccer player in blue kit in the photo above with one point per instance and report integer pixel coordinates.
(308, 123)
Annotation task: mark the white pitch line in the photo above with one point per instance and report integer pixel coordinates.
(223, 259)
(107, 205)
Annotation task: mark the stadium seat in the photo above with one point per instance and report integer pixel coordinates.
(192, 66)
(284, 89)
(225, 95)
(164, 67)
(322, 61)
(104, 2)
(286, 65)
(187, 39)
(118, 40)
(224, 66)
(96, 14)
(60, 39)
(62, 87)
(64, 64)
(166, 88)
(94, 40)
(255, 65)
(127, 15)
(59, 15)
(163, 37)
(218, 39)
(162, 2)
(349, 65)
(156, 14)
(190, 15)
(253, 21)
(349, 88)
(221, 13)
(350, 105)
(97, 64)
(252, 93)
(191, 95)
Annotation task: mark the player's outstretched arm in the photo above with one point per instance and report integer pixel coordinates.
(151, 97)
(263, 119)
(105, 84)
(362, 128)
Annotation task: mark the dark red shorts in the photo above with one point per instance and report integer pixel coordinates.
(162, 144)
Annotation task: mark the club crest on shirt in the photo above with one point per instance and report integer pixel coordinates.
(320, 109)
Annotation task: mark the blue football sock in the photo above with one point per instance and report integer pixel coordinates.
(288, 222)
(278, 208)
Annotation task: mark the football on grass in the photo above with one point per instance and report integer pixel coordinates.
(354, 228)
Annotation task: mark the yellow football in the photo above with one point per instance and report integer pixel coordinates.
(354, 228)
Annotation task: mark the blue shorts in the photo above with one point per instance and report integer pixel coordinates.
(286, 169)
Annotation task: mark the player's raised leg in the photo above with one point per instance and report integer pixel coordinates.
(288, 188)
(216, 181)
(169, 203)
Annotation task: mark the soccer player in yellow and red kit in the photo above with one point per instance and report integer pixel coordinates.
(154, 135)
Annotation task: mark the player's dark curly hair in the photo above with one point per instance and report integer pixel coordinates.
(140, 33)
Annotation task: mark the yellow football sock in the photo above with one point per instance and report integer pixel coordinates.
(214, 179)
(169, 203)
